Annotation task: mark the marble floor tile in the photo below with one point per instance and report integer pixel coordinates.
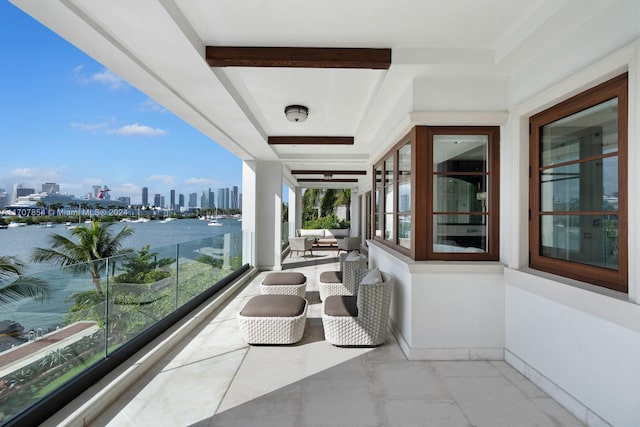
(213, 378)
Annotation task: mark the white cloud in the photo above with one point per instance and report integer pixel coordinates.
(24, 173)
(30, 177)
(127, 189)
(136, 129)
(92, 181)
(89, 127)
(108, 78)
(200, 181)
(105, 77)
(166, 179)
(151, 105)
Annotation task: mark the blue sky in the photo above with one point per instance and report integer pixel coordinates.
(65, 118)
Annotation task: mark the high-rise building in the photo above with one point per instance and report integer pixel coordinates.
(4, 198)
(212, 200)
(162, 202)
(125, 200)
(220, 204)
(145, 196)
(180, 201)
(226, 198)
(157, 202)
(51, 188)
(234, 197)
(172, 199)
(193, 200)
(19, 191)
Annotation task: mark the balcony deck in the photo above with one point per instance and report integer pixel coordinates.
(215, 379)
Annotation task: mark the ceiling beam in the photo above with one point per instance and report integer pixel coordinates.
(327, 180)
(310, 140)
(298, 57)
(330, 172)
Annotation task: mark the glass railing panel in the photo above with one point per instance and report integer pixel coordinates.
(98, 307)
(197, 261)
(45, 344)
(203, 263)
(140, 291)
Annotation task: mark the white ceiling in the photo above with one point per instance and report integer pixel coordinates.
(159, 47)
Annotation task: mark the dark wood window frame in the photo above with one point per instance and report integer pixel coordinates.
(421, 140)
(492, 172)
(608, 278)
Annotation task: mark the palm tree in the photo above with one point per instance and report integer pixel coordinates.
(328, 202)
(311, 201)
(22, 287)
(94, 244)
(343, 198)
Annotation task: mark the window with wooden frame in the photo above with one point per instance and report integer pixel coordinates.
(464, 169)
(441, 194)
(578, 187)
(367, 216)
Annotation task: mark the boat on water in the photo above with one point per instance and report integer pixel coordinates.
(14, 224)
(168, 219)
(10, 328)
(140, 220)
(214, 223)
(47, 225)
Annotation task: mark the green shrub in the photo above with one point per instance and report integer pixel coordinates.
(330, 221)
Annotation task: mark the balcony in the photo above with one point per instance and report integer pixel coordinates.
(210, 376)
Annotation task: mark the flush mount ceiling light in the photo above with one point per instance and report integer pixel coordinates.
(296, 113)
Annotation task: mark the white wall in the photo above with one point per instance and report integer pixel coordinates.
(581, 347)
(580, 343)
(445, 310)
(460, 94)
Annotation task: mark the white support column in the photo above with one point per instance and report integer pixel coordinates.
(262, 212)
(355, 213)
(293, 211)
(249, 203)
(298, 222)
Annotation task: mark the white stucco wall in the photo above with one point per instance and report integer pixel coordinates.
(580, 343)
(445, 310)
(585, 346)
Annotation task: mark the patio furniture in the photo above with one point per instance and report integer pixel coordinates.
(273, 319)
(300, 244)
(327, 237)
(353, 267)
(284, 283)
(349, 244)
(359, 320)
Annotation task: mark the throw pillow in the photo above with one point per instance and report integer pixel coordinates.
(373, 277)
(353, 256)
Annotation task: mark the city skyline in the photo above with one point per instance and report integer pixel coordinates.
(67, 119)
(174, 201)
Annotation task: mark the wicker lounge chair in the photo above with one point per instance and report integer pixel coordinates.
(300, 244)
(361, 320)
(349, 244)
(273, 319)
(345, 281)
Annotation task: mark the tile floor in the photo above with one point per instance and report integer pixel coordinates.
(215, 379)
